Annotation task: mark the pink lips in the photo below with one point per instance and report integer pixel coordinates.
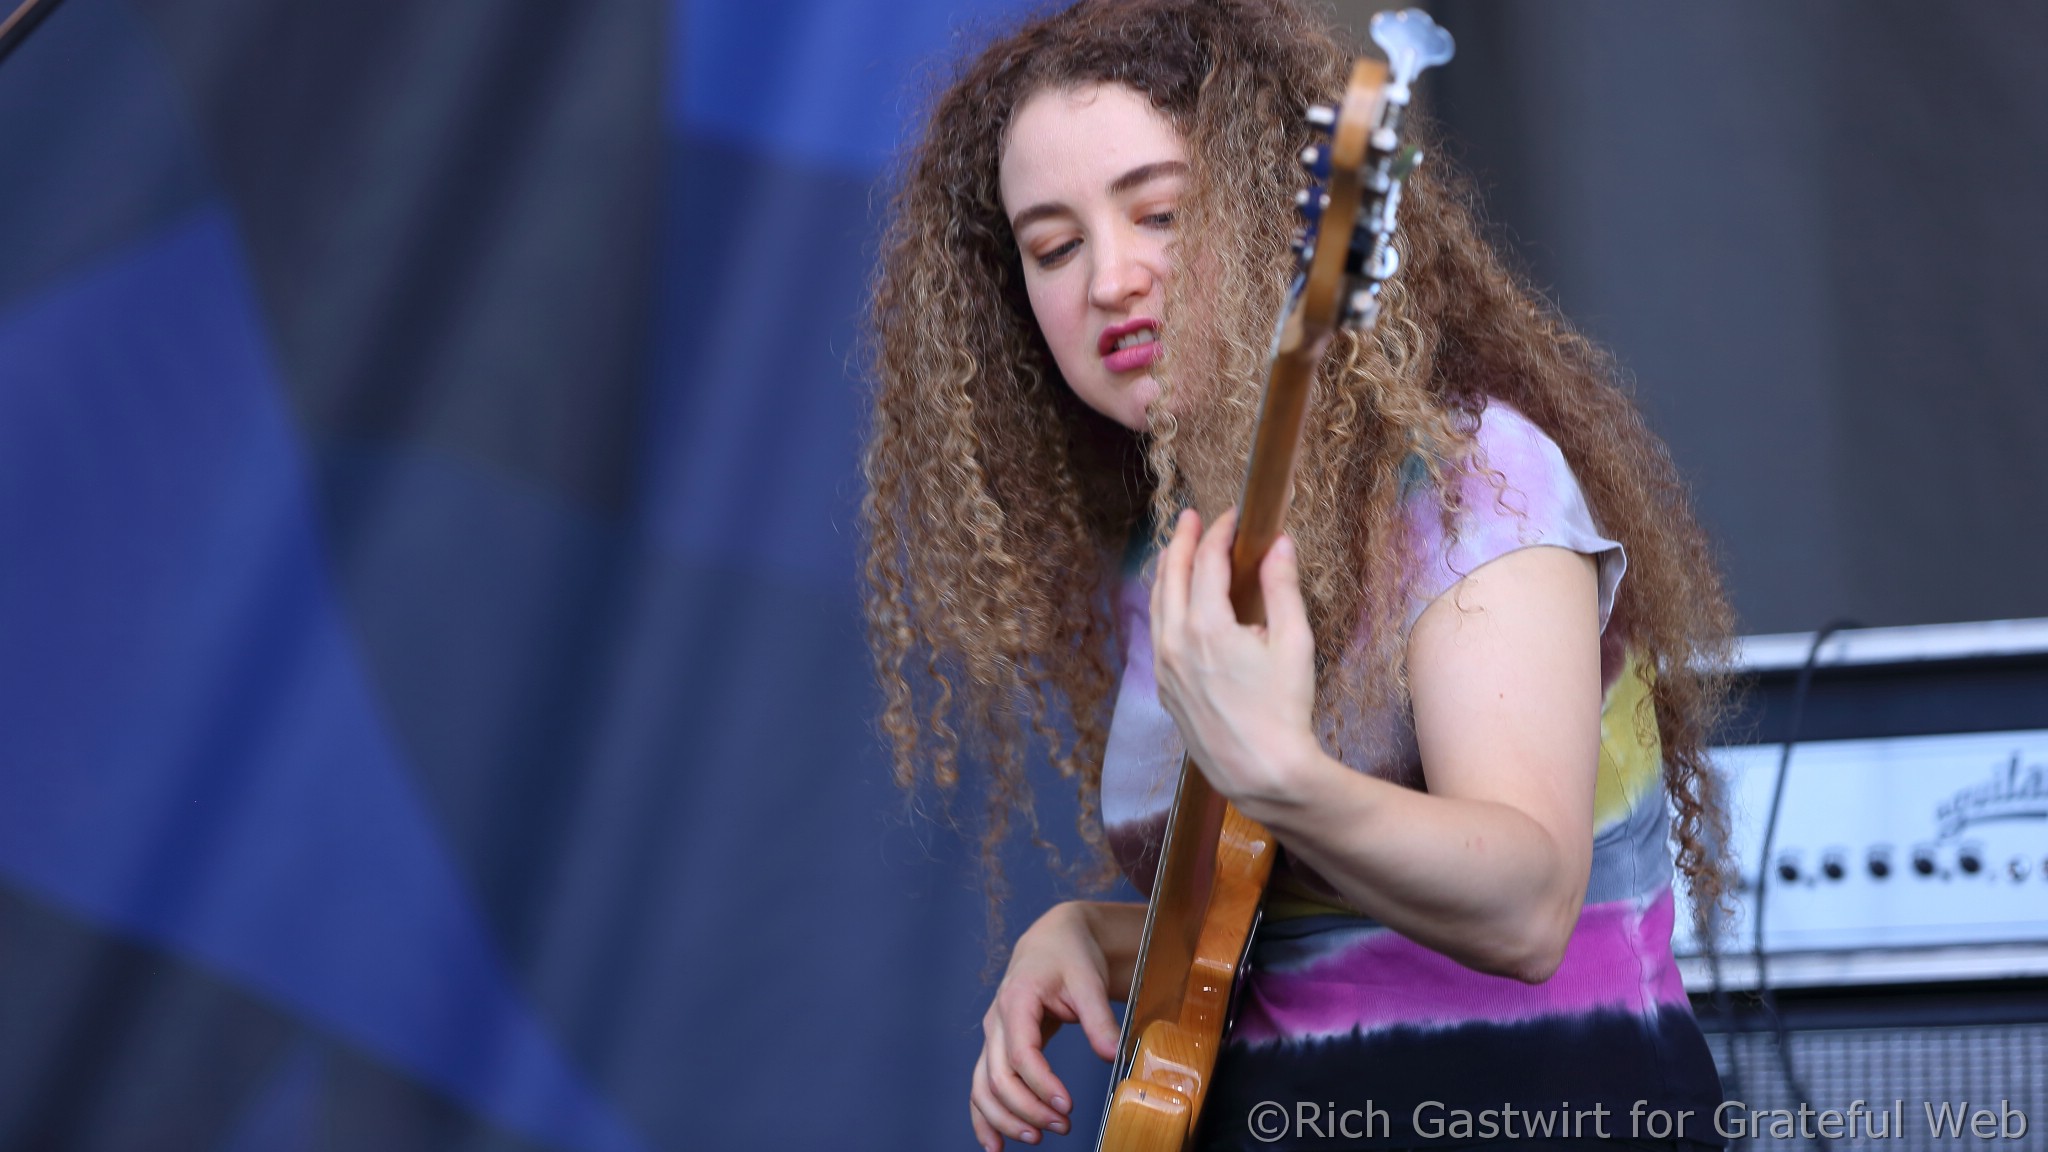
(1128, 359)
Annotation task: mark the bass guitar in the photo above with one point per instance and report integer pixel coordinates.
(1214, 862)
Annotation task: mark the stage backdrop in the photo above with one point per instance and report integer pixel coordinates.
(436, 710)
(1814, 234)
(433, 708)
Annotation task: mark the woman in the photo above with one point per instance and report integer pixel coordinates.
(1462, 723)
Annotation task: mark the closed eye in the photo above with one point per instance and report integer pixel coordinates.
(1058, 255)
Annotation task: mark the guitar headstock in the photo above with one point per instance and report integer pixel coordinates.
(1356, 165)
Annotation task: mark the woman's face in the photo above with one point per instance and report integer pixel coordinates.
(1090, 180)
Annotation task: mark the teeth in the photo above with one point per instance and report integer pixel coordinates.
(1133, 339)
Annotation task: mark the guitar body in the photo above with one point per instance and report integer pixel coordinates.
(1154, 1108)
(1215, 861)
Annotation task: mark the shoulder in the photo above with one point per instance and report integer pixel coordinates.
(1512, 489)
(1505, 432)
(1516, 474)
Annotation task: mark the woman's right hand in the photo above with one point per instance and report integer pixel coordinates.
(1060, 973)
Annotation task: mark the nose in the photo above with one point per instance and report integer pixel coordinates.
(1121, 274)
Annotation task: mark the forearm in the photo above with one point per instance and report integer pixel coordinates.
(1118, 930)
(1478, 880)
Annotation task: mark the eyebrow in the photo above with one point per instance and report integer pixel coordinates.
(1136, 177)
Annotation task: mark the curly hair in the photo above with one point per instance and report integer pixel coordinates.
(998, 504)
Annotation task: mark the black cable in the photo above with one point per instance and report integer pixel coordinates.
(1768, 1000)
(15, 28)
(1707, 931)
(1724, 1009)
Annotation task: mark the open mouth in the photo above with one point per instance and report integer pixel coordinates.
(1129, 346)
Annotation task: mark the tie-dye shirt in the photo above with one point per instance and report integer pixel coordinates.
(1341, 1013)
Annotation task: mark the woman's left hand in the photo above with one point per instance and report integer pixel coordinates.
(1243, 697)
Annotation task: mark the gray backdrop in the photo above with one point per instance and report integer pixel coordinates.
(1817, 235)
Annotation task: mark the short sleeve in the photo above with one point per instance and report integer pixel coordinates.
(1516, 491)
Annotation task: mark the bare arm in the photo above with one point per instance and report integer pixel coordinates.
(1490, 865)
(1118, 929)
(1065, 969)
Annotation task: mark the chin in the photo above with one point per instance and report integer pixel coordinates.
(1138, 399)
(1120, 402)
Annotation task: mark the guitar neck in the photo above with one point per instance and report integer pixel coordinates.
(1269, 479)
(1214, 862)
(1304, 334)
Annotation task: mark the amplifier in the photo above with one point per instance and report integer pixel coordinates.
(1911, 844)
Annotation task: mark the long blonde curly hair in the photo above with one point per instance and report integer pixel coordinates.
(998, 504)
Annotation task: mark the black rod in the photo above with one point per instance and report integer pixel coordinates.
(24, 20)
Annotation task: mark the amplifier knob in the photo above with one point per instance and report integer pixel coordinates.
(1788, 869)
(1832, 867)
(2018, 868)
(1880, 863)
(1923, 861)
(1970, 860)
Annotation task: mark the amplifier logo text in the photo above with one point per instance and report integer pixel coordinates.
(2014, 792)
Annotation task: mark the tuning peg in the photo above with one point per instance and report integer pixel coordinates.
(1311, 156)
(1362, 310)
(1321, 117)
(1386, 262)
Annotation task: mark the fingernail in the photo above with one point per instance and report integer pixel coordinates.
(1058, 1126)
(1028, 1136)
(1060, 1102)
